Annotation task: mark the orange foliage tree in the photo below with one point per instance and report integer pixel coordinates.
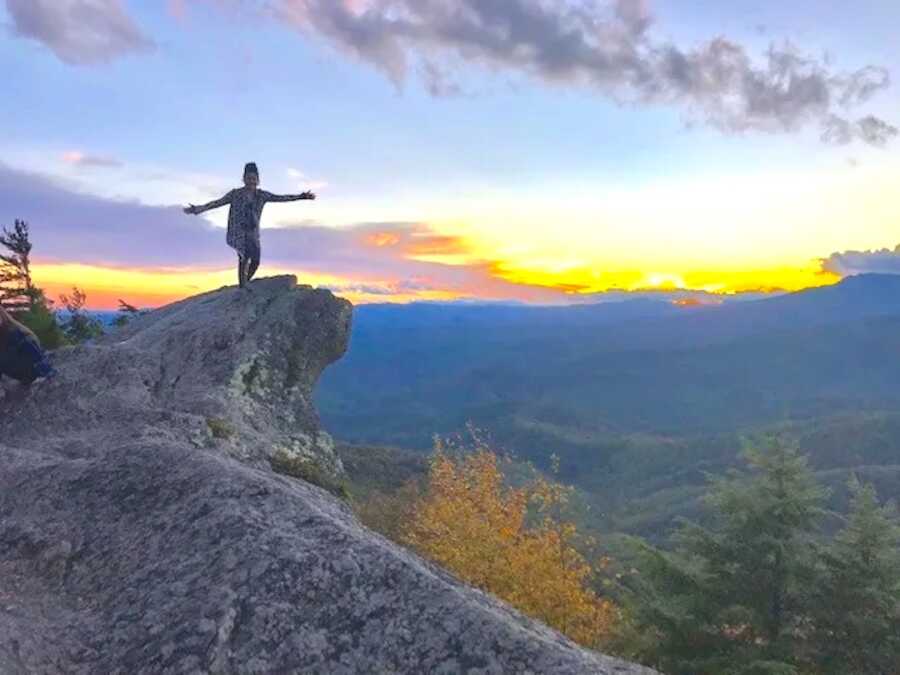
(508, 541)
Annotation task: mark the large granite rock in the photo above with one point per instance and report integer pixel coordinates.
(142, 531)
(230, 370)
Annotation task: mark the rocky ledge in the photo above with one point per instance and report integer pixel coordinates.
(143, 531)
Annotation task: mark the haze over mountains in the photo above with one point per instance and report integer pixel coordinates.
(637, 398)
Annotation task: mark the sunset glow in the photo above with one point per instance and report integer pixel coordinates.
(448, 168)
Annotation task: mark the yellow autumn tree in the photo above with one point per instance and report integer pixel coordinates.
(508, 541)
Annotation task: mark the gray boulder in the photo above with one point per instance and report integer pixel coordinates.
(142, 530)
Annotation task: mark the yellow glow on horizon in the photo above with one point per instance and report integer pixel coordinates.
(719, 234)
(665, 281)
(105, 286)
(142, 287)
(722, 233)
(721, 282)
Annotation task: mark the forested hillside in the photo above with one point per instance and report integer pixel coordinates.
(638, 399)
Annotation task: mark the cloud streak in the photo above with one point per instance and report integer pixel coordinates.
(79, 32)
(77, 158)
(608, 48)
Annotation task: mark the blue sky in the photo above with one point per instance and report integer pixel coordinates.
(542, 179)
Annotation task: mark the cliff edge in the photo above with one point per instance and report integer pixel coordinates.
(142, 530)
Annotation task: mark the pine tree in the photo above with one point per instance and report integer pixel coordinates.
(857, 610)
(78, 325)
(17, 292)
(127, 312)
(733, 598)
(41, 318)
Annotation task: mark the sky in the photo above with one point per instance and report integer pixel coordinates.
(515, 150)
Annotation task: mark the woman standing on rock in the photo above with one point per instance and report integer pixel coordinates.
(243, 219)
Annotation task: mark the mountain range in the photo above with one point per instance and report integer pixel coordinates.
(639, 399)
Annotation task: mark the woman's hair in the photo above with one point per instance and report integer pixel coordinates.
(250, 167)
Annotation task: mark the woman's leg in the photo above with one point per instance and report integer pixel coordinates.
(253, 259)
(252, 267)
(242, 271)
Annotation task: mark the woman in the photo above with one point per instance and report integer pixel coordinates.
(243, 219)
(21, 356)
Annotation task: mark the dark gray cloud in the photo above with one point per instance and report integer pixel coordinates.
(839, 131)
(79, 32)
(875, 131)
(607, 47)
(70, 226)
(848, 263)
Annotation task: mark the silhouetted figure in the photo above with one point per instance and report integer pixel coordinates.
(243, 219)
(21, 356)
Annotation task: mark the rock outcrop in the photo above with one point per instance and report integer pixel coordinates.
(142, 530)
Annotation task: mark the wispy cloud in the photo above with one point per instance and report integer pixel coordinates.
(304, 182)
(871, 130)
(79, 32)
(609, 48)
(78, 158)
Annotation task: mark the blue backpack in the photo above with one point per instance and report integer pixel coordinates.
(24, 360)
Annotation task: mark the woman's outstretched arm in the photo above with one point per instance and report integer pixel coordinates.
(287, 198)
(211, 205)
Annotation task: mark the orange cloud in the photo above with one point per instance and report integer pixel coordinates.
(421, 242)
(382, 239)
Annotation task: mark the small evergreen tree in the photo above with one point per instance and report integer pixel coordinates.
(41, 318)
(857, 610)
(78, 325)
(17, 292)
(733, 599)
(126, 313)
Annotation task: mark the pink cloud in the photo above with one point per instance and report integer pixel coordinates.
(178, 9)
(78, 158)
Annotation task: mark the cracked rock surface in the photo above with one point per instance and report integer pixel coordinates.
(142, 531)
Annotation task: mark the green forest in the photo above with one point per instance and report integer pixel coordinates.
(733, 466)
